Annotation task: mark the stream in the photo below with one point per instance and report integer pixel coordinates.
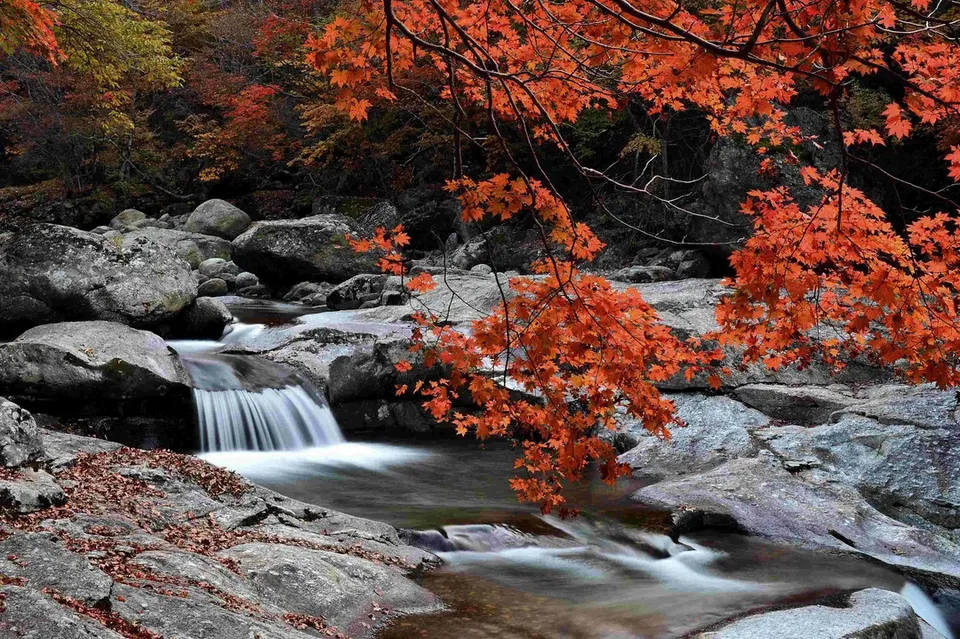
(508, 571)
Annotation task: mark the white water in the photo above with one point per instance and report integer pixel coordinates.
(313, 462)
(270, 425)
(272, 419)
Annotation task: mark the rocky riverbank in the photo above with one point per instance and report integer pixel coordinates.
(158, 544)
(107, 542)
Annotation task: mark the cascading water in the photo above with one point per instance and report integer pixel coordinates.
(246, 403)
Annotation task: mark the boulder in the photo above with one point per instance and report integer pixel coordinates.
(126, 219)
(213, 287)
(350, 366)
(482, 269)
(472, 253)
(19, 438)
(805, 404)
(218, 218)
(197, 614)
(378, 289)
(304, 290)
(245, 280)
(192, 248)
(899, 468)
(205, 319)
(64, 448)
(868, 614)
(760, 497)
(54, 273)
(312, 249)
(717, 430)
(217, 267)
(101, 360)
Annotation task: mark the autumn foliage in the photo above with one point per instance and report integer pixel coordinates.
(821, 281)
(830, 273)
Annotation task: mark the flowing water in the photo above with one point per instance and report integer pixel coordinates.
(508, 572)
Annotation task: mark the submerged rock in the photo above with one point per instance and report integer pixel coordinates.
(93, 360)
(54, 273)
(869, 614)
(313, 249)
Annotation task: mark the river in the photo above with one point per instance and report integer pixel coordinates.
(508, 571)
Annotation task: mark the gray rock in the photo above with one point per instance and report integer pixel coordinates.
(376, 288)
(815, 511)
(695, 264)
(212, 267)
(340, 588)
(188, 565)
(29, 614)
(645, 274)
(717, 430)
(929, 632)
(206, 318)
(796, 404)
(258, 292)
(64, 448)
(471, 254)
(482, 269)
(19, 438)
(304, 290)
(923, 406)
(127, 218)
(312, 249)
(245, 280)
(196, 615)
(100, 230)
(213, 287)
(218, 218)
(45, 562)
(898, 468)
(53, 273)
(102, 360)
(869, 614)
(192, 248)
(31, 491)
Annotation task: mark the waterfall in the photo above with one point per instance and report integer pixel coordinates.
(247, 403)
